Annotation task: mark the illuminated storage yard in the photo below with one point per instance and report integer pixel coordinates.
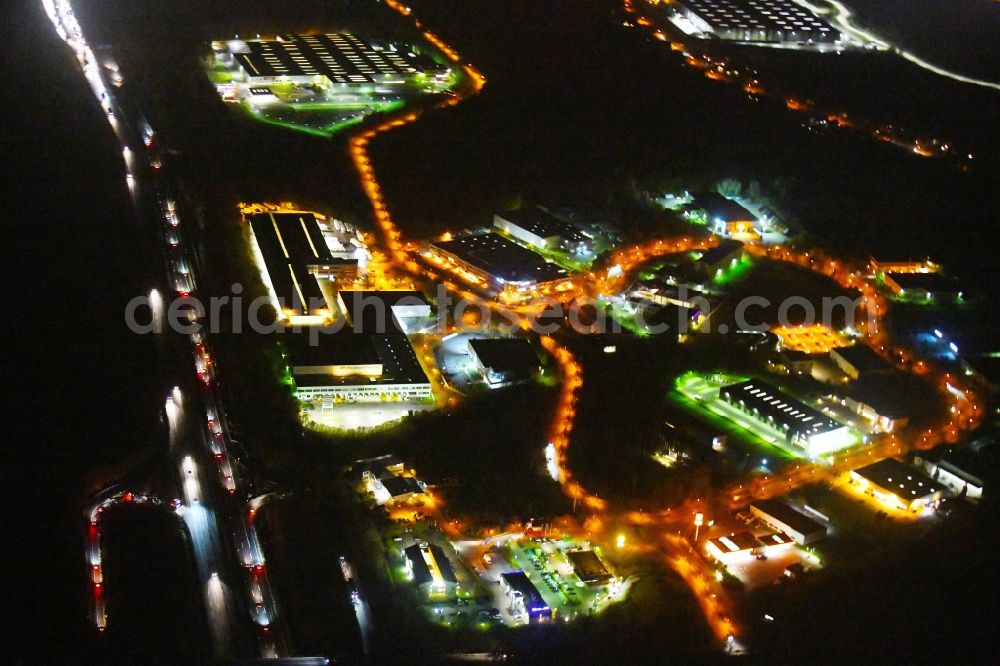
(804, 428)
(814, 339)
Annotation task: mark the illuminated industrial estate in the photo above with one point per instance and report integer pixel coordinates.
(566, 437)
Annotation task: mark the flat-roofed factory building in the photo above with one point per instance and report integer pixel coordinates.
(757, 21)
(334, 59)
(803, 426)
(898, 485)
(498, 263)
(504, 361)
(290, 252)
(723, 215)
(543, 230)
(345, 366)
(300, 259)
(781, 517)
(430, 569)
(384, 311)
(523, 597)
(858, 360)
(716, 260)
(588, 567)
(737, 542)
(923, 286)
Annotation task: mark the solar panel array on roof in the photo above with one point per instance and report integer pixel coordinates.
(778, 16)
(341, 57)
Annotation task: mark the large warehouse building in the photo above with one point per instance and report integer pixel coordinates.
(588, 567)
(355, 367)
(542, 230)
(499, 263)
(334, 58)
(757, 21)
(923, 286)
(388, 311)
(897, 485)
(858, 360)
(804, 427)
(299, 260)
(783, 518)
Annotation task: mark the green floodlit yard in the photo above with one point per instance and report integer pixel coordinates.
(319, 119)
(735, 272)
(313, 109)
(700, 393)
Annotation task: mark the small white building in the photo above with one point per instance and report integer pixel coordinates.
(782, 517)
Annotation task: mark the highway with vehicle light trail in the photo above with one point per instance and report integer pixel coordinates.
(214, 508)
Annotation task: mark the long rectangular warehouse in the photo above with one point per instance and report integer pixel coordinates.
(524, 597)
(341, 58)
(758, 21)
(290, 250)
(803, 426)
(355, 367)
(499, 262)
